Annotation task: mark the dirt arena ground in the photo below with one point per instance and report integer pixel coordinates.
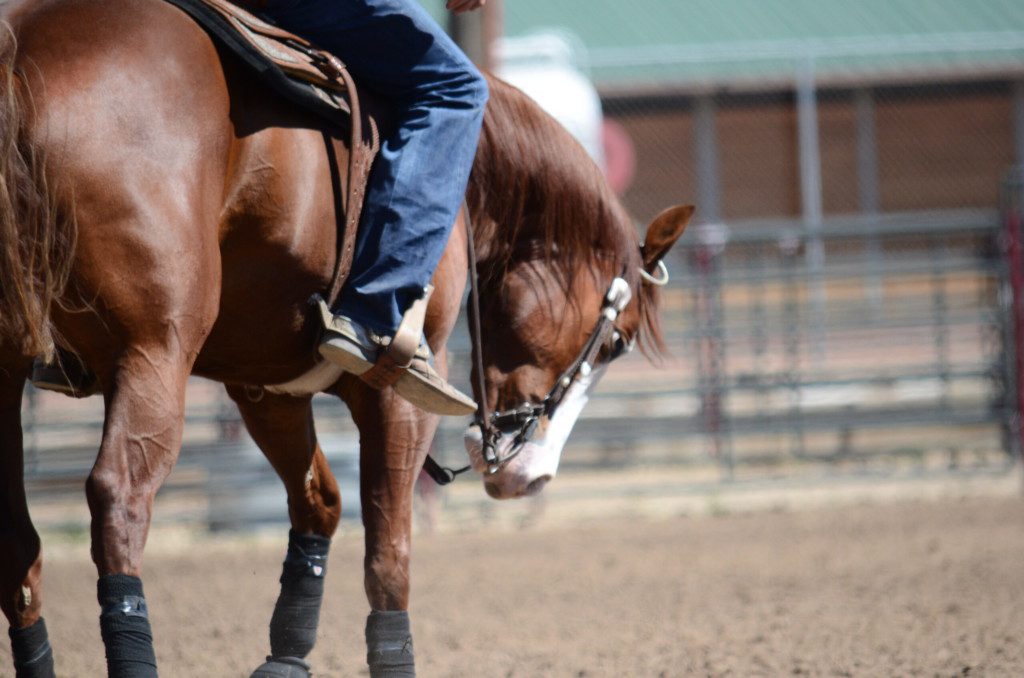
(919, 588)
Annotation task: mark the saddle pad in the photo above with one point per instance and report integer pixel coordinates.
(290, 65)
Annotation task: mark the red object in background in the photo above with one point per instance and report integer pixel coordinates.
(619, 156)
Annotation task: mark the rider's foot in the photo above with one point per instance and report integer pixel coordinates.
(356, 350)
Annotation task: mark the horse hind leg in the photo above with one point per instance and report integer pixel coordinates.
(282, 426)
(21, 564)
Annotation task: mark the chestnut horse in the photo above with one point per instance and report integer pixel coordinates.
(162, 214)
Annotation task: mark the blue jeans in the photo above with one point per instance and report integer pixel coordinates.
(417, 183)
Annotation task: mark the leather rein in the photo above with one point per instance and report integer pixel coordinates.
(523, 420)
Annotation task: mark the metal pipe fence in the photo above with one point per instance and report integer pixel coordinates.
(913, 363)
(910, 360)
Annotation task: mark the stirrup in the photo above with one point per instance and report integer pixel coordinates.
(402, 361)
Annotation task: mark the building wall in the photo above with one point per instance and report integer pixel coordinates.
(665, 166)
(937, 148)
(758, 170)
(944, 151)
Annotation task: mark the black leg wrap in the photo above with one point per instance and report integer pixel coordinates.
(30, 647)
(124, 625)
(389, 645)
(297, 613)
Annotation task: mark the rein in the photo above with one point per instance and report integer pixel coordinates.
(524, 419)
(443, 475)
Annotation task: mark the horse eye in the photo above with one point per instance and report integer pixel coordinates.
(619, 346)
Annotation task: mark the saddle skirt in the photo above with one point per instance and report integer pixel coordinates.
(295, 56)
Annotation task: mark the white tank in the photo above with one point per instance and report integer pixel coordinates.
(547, 66)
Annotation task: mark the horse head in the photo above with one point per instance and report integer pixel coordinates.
(551, 326)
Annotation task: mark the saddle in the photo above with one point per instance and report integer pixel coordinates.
(312, 79)
(292, 66)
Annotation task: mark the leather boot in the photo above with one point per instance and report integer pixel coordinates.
(358, 350)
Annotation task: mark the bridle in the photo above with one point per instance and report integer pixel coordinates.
(522, 421)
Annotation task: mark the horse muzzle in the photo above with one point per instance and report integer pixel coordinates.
(536, 463)
(524, 475)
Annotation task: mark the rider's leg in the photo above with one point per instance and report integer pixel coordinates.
(396, 49)
(282, 426)
(21, 563)
(418, 180)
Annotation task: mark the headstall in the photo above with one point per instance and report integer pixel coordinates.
(523, 420)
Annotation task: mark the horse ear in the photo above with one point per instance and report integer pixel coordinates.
(663, 233)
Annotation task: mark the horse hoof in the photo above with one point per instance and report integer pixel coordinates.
(283, 667)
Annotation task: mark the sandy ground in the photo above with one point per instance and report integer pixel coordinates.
(922, 588)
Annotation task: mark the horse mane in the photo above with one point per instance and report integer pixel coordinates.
(533, 185)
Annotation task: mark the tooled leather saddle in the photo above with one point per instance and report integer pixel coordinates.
(309, 77)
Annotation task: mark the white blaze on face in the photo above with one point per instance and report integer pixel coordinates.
(538, 461)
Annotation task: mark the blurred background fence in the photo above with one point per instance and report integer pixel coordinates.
(848, 297)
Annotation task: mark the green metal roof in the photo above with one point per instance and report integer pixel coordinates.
(693, 43)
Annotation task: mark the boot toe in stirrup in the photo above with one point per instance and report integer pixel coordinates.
(421, 385)
(356, 350)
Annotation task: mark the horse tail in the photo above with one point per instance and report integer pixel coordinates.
(36, 243)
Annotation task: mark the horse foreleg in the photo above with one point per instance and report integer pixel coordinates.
(394, 437)
(282, 426)
(22, 560)
(142, 432)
